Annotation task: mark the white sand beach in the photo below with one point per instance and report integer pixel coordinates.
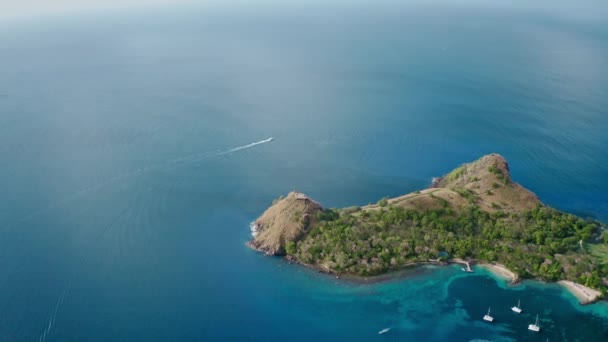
(501, 271)
(584, 294)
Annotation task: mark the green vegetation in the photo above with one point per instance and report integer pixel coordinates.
(469, 195)
(599, 250)
(541, 243)
(383, 202)
(290, 247)
(474, 212)
(498, 173)
(456, 173)
(494, 169)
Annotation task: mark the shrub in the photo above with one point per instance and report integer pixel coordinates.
(290, 247)
(383, 202)
(456, 173)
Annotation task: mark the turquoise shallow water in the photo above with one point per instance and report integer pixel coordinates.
(129, 173)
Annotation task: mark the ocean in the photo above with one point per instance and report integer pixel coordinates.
(135, 152)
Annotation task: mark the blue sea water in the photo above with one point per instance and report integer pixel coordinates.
(129, 173)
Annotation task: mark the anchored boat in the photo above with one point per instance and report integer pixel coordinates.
(517, 308)
(534, 327)
(487, 317)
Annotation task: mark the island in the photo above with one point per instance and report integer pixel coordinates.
(474, 213)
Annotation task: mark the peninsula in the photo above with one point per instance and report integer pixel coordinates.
(476, 212)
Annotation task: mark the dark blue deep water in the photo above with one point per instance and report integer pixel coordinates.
(128, 179)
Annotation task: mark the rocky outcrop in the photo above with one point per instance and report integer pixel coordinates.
(287, 220)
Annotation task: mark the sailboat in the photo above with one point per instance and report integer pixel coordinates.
(535, 326)
(517, 308)
(487, 317)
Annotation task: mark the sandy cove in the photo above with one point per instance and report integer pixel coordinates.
(501, 271)
(584, 294)
(498, 269)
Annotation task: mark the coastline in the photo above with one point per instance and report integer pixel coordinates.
(584, 294)
(398, 272)
(395, 273)
(501, 271)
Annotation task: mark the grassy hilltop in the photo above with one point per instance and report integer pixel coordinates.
(476, 211)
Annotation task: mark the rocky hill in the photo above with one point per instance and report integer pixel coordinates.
(476, 212)
(287, 220)
(485, 182)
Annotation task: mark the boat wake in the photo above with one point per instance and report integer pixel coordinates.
(384, 331)
(66, 290)
(187, 159)
(203, 156)
(53, 315)
(250, 145)
(77, 194)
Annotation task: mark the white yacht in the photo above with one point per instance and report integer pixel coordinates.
(535, 326)
(517, 308)
(487, 317)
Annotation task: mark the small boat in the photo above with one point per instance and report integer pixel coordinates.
(487, 317)
(384, 331)
(467, 269)
(534, 327)
(517, 308)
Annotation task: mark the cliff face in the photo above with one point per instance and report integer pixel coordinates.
(287, 220)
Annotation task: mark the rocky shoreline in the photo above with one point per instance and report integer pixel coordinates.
(389, 275)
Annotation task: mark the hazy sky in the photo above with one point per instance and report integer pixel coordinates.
(586, 9)
(29, 8)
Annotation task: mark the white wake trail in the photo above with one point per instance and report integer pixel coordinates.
(250, 145)
(53, 315)
(206, 155)
(192, 158)
(68, 287)
(232, 150)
